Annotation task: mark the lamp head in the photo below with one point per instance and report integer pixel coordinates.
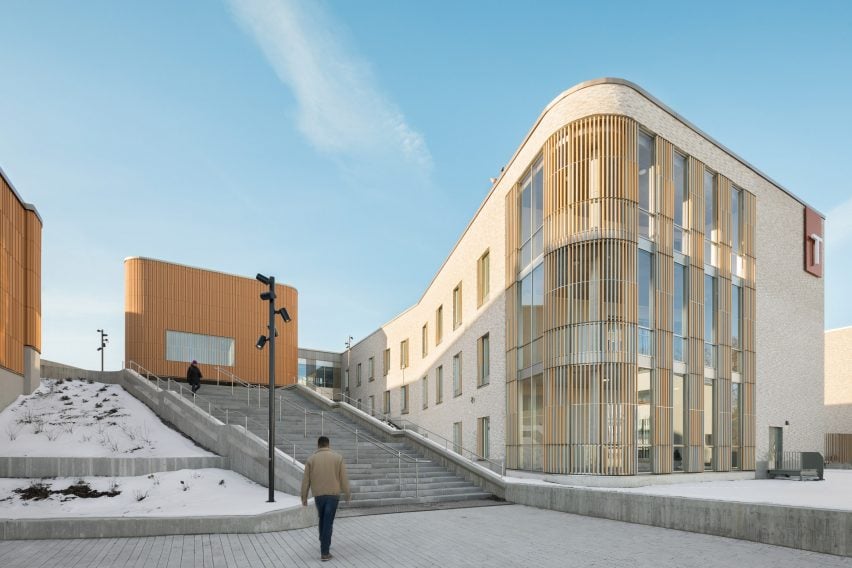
(261, 341)
(268, 295)
(284, 314)
(263, 279)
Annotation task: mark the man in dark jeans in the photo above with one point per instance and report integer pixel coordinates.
(193, 376)
(325, 477)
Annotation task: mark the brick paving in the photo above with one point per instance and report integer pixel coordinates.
(511, 535)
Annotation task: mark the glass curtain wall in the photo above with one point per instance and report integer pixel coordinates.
(681, 195)
(646, 161)
(643, 420)
(646, 302)
(680, 313)
(678, 394)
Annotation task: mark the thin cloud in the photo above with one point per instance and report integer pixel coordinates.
(340, 110)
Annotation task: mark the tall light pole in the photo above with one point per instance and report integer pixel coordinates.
(269, 296)
(104, 341)
(348, 352)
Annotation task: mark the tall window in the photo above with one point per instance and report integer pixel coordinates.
(424, 340)
(646, 162)
(483, 275)
(439, 384)
(646, 303)
(677, 421)
(710, 226)
(483, 360)
(386, 362)
(425, 392)
(358, 375)
(643, 419)
(709, 321)
(736, 329)
(457, 306)
(403, 354)
(371, 363)
(403, 399)
(387, 402)
(439, 325)
(736, 228)
(736, 422)
(457, 374)
(483, 437)
(708, 424)
(372, 402)
(457, 437)
(530, 317)
(681, 195)
(680, 312)
(532, 201)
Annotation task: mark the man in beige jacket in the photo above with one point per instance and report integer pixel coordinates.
(325, 477)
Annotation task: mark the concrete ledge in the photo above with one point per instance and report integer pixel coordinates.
(102, 467)
(817, 530)
(114, 527)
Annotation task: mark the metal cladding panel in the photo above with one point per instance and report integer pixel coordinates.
(161, 296)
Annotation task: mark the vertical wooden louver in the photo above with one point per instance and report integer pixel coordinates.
(590, 353)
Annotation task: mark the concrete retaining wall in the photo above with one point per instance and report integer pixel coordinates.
(106, 467)
(818, 530)
(113, 527)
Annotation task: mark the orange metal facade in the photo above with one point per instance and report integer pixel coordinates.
(20, 279)
(161, 296)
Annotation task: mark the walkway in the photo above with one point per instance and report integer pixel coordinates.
(487, 536)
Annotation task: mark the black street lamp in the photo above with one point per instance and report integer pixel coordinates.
(104, 341)
(269, 296)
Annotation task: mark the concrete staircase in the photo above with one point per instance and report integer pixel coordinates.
(381, 474)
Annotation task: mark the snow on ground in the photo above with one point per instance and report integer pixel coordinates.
(76, 418)
(183, 493)
(835, 492)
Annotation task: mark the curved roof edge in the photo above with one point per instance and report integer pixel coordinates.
(24, 204)
(202, 269)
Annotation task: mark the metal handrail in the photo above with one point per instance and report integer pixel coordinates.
(226, 412)
(378, 415)
(395, 422)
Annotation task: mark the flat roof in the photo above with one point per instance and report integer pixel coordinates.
(199, 268)
(27, 206)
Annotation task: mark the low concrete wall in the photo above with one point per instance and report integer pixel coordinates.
(818, 530)
(102, 467)
(114, 527)
(54, 370)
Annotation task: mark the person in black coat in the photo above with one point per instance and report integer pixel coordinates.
(193, 376)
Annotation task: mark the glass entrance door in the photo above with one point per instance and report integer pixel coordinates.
(776, 446)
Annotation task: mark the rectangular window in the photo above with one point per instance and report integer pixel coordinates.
(646, 302)
(677, 421)
(457, 437)
(680, 313)
(387, 402)
(371, 363)
(424, 340)
(372, 408)
(483, 360)
(403, 354)
(425, 392)
(403, 399)
(643, 420)
(457, 306)
(483, 275)
(736, 432)
(736, 329)
(708, 425)
(207, 349)
(710, 235)
(358, 375)
(531, 212)
(646, 163)
(439, 325)
(709, 321)
(681, 196)
(439, 385)
(736, 230)
(386, 362)
(345, 380)
(457, 374)
(483, 435)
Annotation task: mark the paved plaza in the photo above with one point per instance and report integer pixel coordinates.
(487, 536)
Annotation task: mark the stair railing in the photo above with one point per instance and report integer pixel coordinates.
(359, 435)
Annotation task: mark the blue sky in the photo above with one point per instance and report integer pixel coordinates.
(343, 146)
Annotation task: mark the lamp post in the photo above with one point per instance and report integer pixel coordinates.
(104, 341)
(269, 296)
(348, 351)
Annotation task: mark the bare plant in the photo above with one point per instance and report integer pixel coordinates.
(184, 485)
(140, 495)
(113, 485)
(109, 442)
(12, 430)
(38, 425)
(27, 417)
(68, 427)
(145, 434)
(53, 434)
